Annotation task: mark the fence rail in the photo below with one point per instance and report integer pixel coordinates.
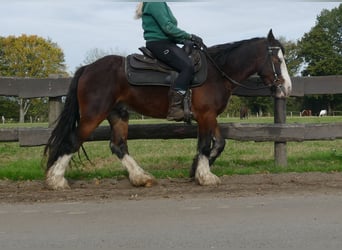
(56, 87)
(235, 131)
(279, 132)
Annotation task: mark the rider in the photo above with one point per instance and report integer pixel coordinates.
(162, 36)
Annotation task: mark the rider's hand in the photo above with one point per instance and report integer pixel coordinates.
(197, 40)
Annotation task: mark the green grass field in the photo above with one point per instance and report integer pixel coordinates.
(173, 158)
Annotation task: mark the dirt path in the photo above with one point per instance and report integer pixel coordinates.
(232, 186)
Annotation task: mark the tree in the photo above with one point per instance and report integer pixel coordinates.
(321, 48)
(95, 54)
(293, 62)
(30, 56)
(8, 108)
(38, 111)
(321, 51)
(233, 107)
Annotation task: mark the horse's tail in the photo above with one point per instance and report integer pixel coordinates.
(62, 139)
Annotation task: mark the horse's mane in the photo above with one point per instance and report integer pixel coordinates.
(220, 52)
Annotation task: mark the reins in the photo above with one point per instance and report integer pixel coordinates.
(204, 49)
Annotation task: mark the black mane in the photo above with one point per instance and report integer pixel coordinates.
(220, 52)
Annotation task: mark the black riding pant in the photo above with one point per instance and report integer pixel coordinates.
(169, 53)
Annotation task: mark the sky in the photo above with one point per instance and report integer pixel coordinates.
(80, 26)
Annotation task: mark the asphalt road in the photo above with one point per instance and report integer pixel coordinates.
(260, 222)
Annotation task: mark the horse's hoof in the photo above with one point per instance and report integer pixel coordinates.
(144, 180)
(54, 183)
(208, 180)
(203, 175)
(151, 182)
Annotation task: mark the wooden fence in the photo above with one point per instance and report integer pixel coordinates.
(279, 132)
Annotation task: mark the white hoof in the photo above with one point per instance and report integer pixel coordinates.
(142, 180)
(207, 180)
(203, 176)
(137, 176)
(56, 182)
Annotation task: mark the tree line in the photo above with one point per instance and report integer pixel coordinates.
(317, 53)
(28, 56)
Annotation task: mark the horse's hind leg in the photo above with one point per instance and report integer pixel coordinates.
(55, 174)
(118, 120)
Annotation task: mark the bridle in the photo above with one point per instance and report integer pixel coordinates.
(276, 80)
(270, 53)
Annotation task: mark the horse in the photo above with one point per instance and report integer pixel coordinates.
(244, 112)
(323, 112)
(306, 112)
(100, 91)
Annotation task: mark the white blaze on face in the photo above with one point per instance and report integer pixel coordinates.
(287, 85)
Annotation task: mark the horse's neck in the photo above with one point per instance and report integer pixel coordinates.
(241, 65)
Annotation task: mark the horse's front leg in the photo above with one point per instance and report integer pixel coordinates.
(63, 147)
(217, 145)
(206, 153)
(137, 176)
(118, 120)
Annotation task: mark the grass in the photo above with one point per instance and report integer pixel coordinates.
(173, 158)
(20, 163)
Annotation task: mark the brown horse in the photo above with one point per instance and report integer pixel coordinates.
(306, 112)
(101, 91)
(244, 112)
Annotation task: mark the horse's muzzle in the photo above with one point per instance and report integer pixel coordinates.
(282, 91)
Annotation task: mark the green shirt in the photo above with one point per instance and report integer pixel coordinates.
(159, 23)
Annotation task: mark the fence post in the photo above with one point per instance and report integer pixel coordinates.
(55, 104)
(280, 154)
(55, 109)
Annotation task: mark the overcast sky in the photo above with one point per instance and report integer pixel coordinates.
(79, 26)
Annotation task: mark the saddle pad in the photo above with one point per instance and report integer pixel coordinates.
(141, 70)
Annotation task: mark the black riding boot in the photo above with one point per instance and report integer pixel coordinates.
(176, 110)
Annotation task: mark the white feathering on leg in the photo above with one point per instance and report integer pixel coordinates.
(137, 176)
(55, 175)
(203, 174)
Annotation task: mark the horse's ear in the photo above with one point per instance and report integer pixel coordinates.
(270, 36)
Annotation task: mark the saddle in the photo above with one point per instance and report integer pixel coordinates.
(145, 69)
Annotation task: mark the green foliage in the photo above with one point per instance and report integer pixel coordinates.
(321, 51)
(293, 62)
(321, 48)
(234, 106)
(38, 111)
(30, 56)
(8, 108)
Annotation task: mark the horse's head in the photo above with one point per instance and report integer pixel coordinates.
(274, 70)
